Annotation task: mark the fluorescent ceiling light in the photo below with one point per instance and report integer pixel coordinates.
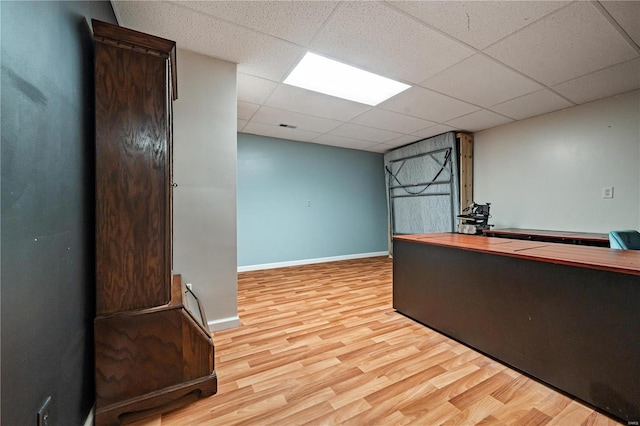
(334, 78)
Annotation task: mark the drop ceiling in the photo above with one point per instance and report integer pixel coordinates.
(472, 65)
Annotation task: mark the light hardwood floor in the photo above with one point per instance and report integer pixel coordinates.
(321, 345)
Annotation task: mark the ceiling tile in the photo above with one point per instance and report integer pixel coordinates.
(256, 54)
(576, 48)
(601, 84)
(479, 120)
(388, 120)
(379, 39)
(279, 132)
(479, 23)
(381, 148)
(435, 130)
(481, 81)
(572, 42)
(402, 140)
(531, 105)
(295, 21)
(428, 105)
(627, 14)
(275, 117)
(246, 110)
(292, 98)
(335, 140)
(254, 89)
(356, 131)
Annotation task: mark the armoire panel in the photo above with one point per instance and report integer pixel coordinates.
(133, 268)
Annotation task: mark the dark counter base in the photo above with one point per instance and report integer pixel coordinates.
(573, 328)
(562, 237)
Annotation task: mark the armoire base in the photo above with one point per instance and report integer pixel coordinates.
(161, 401)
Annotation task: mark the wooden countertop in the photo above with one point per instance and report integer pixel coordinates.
(623, 261)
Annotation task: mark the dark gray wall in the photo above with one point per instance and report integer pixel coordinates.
(48, 296)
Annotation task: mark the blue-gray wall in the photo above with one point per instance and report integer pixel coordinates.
(48, 284)
(276, 178)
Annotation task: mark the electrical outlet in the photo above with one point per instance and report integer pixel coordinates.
(189, 286)
(308, 203)
(44, 417)
(607, 192)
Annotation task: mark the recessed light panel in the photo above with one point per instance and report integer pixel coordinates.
(320, 74)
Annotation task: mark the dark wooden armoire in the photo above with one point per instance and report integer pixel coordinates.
(153, 349)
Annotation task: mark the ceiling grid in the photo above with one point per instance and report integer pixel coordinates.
(472, 65)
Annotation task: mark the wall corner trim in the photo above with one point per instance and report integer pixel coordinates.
(90, 418)
(310, 261)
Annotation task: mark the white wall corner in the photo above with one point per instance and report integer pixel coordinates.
(223, 323)
(204, 207)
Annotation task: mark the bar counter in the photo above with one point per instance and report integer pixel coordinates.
(625, 261)
(567, 315)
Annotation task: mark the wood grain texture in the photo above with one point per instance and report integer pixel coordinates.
(321, 345)
(142, 43)
(138, 354)
(151, 361)
(132, 180)
(602, 258)
(152, 353)
(466, 169)
(128, 349)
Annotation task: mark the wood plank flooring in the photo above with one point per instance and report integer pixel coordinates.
(321, 345)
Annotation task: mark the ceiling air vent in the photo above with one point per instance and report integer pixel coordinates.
(288, 126)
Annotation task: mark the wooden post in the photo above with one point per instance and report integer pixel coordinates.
(466, 169)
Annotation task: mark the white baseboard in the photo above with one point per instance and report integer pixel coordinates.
(310, 261)
(223, 323)
(89, 420)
